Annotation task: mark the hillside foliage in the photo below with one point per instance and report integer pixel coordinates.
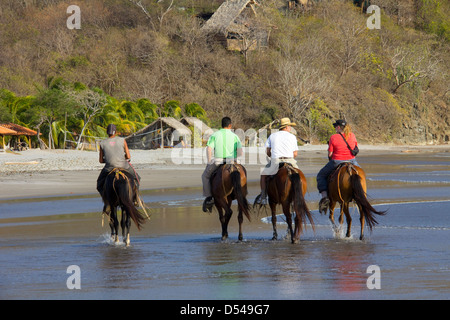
(133, 61)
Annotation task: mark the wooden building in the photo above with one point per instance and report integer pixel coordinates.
(236, 26)
(164, 132)
(18, 131)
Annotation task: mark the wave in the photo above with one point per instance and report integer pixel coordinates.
(411, 181)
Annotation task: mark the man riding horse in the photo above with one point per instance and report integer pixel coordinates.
(280, 147)
(222, 147)
(114, 153)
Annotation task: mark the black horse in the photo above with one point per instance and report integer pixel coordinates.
(120, 191)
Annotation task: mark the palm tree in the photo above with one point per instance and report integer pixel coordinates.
(149, 109)
(171, 109)
(195, 110)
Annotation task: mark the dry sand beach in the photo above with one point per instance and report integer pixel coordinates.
(38, 173)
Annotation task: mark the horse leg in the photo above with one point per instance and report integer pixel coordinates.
(348, 218)
(332, 206)
(228, 214)
(114, 224)
(287, 213)
(125, 224)
(363, 221)
(240, 220)
(273, 207)
(224, 218)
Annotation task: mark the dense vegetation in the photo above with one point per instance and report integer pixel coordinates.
(134, 60)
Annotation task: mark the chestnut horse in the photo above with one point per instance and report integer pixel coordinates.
(347, 183)
(120, 192)
(228, 183)
(288, 187)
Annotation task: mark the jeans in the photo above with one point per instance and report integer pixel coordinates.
(322, 176)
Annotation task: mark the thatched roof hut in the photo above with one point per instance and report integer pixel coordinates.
(201, 132)
(197, 124)
(233, 21)
(18, 130)
(152, 137)
(12, 129)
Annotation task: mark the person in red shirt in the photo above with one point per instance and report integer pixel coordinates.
(338, 152)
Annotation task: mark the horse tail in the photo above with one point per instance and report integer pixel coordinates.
(124, 192)
(300, 206)
(360, 197)
(239, 194)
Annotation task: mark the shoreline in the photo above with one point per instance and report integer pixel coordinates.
(44, 173)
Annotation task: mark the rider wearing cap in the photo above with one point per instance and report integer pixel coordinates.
(114, 153)
(338, 152)
(280, 147)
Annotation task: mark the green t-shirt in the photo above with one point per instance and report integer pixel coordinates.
(224, 143)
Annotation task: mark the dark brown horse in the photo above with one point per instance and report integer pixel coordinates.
(347, 183)
(229, 183)
(120, 192)
(288, 187)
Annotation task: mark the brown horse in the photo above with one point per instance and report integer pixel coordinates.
(288, 187)
(228, 183)
(119, 192)
(347, 183)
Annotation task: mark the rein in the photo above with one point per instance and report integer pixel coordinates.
(231, 168)
(350, 169)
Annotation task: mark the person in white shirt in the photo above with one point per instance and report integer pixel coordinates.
(280, 147)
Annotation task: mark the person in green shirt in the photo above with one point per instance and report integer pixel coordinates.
(222, 147)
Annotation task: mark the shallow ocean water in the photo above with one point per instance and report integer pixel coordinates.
(179, 254)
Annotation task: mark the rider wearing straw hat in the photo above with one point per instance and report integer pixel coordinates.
(280, 147)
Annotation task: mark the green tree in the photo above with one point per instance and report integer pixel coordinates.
(171, 109)
(51, 105)
(149, 110)
(195, 110)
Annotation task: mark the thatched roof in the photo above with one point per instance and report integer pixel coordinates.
(224, 18)
(197, 123)
(18, 130)
(167, 122)
(7, 132)
(150, 137)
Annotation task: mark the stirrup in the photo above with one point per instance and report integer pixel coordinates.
(324, 203)
(260, 200)
(208, 204)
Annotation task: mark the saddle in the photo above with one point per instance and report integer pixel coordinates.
(350, 168)
(118, 172)
(228, 166)
(290, 168)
